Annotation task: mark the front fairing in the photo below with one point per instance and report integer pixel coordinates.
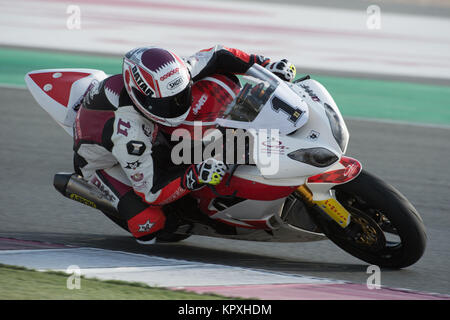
(283, 118)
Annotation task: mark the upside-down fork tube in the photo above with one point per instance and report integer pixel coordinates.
(316, 191)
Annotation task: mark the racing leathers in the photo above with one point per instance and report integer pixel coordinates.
(126, 155)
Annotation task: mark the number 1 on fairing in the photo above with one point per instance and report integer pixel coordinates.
(293, 113)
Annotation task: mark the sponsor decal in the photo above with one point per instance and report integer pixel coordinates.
(190, 180)
(133, 165)
(310, 92)
(136, 148)
(122, 127)
(91, 91)
(200, 103)
(175, 83)
(96, 182)
(77, 127)
(150, 131)
(174, 196)
(169, 74)
(141, 82)
(94, 89)
(313, 135)
(82, 200)
(274, 146)
(137, 176)
(351, 170)
(341, 175)
(146, 226)
(335, 210)
(147, 130)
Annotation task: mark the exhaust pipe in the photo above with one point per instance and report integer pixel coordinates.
(74, 187)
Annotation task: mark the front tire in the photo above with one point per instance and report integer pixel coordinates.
(385, 228)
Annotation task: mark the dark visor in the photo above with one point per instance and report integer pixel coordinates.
(169, 107)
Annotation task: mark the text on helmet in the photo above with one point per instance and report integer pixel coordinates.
(170, 73)
(140, 82)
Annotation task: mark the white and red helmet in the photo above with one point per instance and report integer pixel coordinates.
(159, 84)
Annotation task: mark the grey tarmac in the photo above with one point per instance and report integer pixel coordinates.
(413, 158)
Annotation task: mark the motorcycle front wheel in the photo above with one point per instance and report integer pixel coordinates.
(385, 229)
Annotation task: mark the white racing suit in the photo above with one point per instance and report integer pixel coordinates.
(126, 155)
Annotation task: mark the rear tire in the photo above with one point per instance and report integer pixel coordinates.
(378, 211)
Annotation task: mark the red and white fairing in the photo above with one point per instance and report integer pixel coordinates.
(58, 90)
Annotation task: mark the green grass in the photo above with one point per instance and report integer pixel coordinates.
(17, 283)
(15, 63)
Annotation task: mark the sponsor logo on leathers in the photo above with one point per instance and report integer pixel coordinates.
(146, 226)
(133, 165)
(200, 103)
(137, 177)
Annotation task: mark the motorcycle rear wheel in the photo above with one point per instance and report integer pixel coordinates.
(385, 229)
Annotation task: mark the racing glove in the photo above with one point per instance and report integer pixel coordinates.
(210, 171)
(282, 69)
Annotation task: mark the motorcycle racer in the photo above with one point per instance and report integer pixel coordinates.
(119, 140)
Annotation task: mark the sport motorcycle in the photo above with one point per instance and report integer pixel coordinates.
(299, 187)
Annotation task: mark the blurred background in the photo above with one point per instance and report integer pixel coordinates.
(402, 38)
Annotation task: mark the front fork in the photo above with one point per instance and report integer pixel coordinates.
(317, 189)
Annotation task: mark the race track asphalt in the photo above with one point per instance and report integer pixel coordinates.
(413, 158)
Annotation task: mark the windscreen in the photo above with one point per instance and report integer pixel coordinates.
(256, 90)
(264, 102)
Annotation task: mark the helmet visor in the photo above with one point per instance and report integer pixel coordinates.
(169, 107)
